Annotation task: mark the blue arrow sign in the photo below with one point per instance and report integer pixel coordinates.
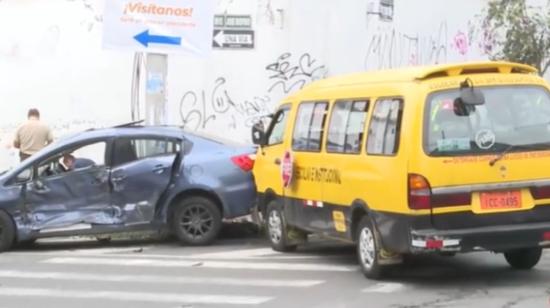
(145, 39)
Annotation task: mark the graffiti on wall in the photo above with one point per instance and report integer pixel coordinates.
(288, 73)
(392, 48)
(198, 109)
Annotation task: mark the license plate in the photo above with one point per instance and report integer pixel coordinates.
(502, 200)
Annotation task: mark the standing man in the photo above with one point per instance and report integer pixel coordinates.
(32, 136)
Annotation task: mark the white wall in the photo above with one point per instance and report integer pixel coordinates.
(51, 58)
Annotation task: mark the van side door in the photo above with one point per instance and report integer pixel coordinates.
(304, 196)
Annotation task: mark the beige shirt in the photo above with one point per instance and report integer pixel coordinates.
(32, 136)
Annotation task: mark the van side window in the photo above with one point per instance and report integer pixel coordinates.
(308, 130)
(385, 125)
(347, 122)
(277, 131)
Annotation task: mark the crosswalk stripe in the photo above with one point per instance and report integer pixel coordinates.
(135, 296)
(203, 264)
(79, 276)
(389, 287)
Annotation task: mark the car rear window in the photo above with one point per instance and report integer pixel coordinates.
(513, 118)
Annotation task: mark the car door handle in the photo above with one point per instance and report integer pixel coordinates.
(158, 169)
(277, 161)
(119, 178)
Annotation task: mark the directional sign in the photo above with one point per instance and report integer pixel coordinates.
(160, 26)
(233, 39)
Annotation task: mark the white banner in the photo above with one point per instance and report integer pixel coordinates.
(160, 26)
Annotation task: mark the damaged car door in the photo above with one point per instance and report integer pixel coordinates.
(142, 171)
(63, 197)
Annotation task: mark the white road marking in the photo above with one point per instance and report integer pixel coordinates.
(135, 296)
(388, 287)
(79, 276)
(203, 264)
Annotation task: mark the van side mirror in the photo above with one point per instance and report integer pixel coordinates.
(469, 95)
(258, 133)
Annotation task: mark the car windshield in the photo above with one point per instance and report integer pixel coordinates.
(513, 118)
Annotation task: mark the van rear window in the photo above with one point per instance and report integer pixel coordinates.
(512, 119)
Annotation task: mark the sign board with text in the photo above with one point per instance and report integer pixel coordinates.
(233, 39)
(160, 26)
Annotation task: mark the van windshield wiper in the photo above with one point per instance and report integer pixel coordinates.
(500, 155)
(538, 146)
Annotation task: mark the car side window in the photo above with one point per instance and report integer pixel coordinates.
(131, 149)
(73, 159)
(346, 126)
(308, 130)
(385, 125)
(276, 134)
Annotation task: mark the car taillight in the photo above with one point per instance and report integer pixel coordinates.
(546, 236)
(419, 192)
(540, 192)
(245, 161)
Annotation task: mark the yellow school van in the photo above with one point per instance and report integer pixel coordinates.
(437, 159)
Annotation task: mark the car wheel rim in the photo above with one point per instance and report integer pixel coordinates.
(366, 248)
(275, 226)
(196, 221)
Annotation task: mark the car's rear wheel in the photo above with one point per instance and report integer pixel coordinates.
(277, 230)
(196, 221)
(7, 231)
(368, 249)
(523, 259)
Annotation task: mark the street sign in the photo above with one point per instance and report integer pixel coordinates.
(159, 26)
(243, 39)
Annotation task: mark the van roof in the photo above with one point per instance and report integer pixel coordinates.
(422, 73)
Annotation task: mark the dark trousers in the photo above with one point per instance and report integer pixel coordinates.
(23, 156)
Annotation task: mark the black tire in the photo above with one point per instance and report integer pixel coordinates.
(523, 259)
(276, 227)
(196, 221)
(104, 239)
(27, 243)
(7, 231)
(368, 249)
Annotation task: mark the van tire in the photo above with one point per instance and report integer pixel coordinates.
(523, 259)
(276, 227)
(368, 249)
(196, 215)
(7, 231)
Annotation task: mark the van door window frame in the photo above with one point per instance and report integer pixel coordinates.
(370, 135)
(309, 126)
(349, 114)
(283, 108)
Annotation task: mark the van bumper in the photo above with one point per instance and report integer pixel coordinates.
(494, 238)
(416, 234)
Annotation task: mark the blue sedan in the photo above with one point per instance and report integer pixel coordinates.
(128, 178)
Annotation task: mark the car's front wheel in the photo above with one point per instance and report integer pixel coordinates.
(523, 259)
(7, 231)
(196, 221)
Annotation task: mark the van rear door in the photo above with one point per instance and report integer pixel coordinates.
(488, 164)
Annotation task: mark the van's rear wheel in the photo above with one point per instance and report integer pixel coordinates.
(7, 231)
(523, 259)
(277, 229)
(368, 249)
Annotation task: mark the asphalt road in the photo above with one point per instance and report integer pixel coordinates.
(242, 271)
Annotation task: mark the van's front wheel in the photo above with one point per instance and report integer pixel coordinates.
(277, 229)
(368, 249)
(523, 259)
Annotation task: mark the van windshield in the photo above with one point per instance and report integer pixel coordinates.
(512, 119)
